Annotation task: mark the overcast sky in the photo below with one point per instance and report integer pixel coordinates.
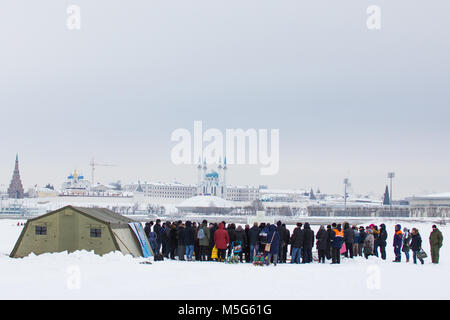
(348, 101)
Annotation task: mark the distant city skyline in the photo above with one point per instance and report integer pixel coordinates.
(348, 102)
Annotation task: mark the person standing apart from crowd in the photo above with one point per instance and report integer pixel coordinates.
(436, 240)
(406, 242)
(416, 244)
(398, 241)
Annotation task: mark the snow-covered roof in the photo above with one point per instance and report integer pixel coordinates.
(205, 202)
(445, 195)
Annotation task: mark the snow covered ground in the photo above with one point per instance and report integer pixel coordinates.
(84, 275)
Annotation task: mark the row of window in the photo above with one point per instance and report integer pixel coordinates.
(42, 231)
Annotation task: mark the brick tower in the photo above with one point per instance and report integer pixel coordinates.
(15, 189)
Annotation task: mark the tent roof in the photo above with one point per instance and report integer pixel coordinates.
(100, 214)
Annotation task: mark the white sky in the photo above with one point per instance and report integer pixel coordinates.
(348, 101)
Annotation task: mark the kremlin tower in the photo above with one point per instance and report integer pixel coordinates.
(15, 189)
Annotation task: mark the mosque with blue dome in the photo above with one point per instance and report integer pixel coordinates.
(211, 182)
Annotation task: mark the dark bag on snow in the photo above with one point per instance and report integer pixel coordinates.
(159, 257)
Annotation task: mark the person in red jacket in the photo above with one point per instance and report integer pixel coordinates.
(221, 240)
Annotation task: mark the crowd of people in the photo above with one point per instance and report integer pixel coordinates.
(215, 242)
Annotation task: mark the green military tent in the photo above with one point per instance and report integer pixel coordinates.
(75, 228)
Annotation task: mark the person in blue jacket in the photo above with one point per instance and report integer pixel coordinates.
(274, 239)
(398, 242)
(337, 240)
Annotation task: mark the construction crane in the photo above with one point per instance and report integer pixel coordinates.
(93, 164)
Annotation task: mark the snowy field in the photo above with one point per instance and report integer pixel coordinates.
(83, 275)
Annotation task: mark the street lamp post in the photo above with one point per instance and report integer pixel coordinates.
(391, 175)
(346, 184)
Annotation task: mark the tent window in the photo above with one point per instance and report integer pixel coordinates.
(41, 230)
(96, 233)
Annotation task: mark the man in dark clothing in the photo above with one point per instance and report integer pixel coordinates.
(436, 240)
(204, 238)
(212, 229)
(382, 241)
(322, 237)
(157, 230)
(241, 239)
(328, 248)
(181, 242)
(398, 242)
(189, 240)
(308, 243)
(247, 247)
(165, 233)
(297, 243)
(282, 233)
(173, 241)
(287, 237)
(362, 237)
(232, 234)
(348, 239)
(253, 234)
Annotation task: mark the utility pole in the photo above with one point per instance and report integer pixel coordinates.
(391, 175)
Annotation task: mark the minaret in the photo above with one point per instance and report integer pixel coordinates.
(220, 180)
(199, 172)
(224, 179)
(15, 189)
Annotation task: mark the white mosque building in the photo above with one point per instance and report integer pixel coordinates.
(210, 182)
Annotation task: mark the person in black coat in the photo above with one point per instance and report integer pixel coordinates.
(253, 234)
(165, 236)
(282, 233)
(212, 229)
(322, 239)
(247, 246)
(416, 244)
(308, 243)
(287, 237)
(348, 238)
(181, 241)
(328, 248)
(242, 239)
(232, 234)
(157, 230)
(382, 241)
(173, 241)
(362, 237)
(296, 244)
